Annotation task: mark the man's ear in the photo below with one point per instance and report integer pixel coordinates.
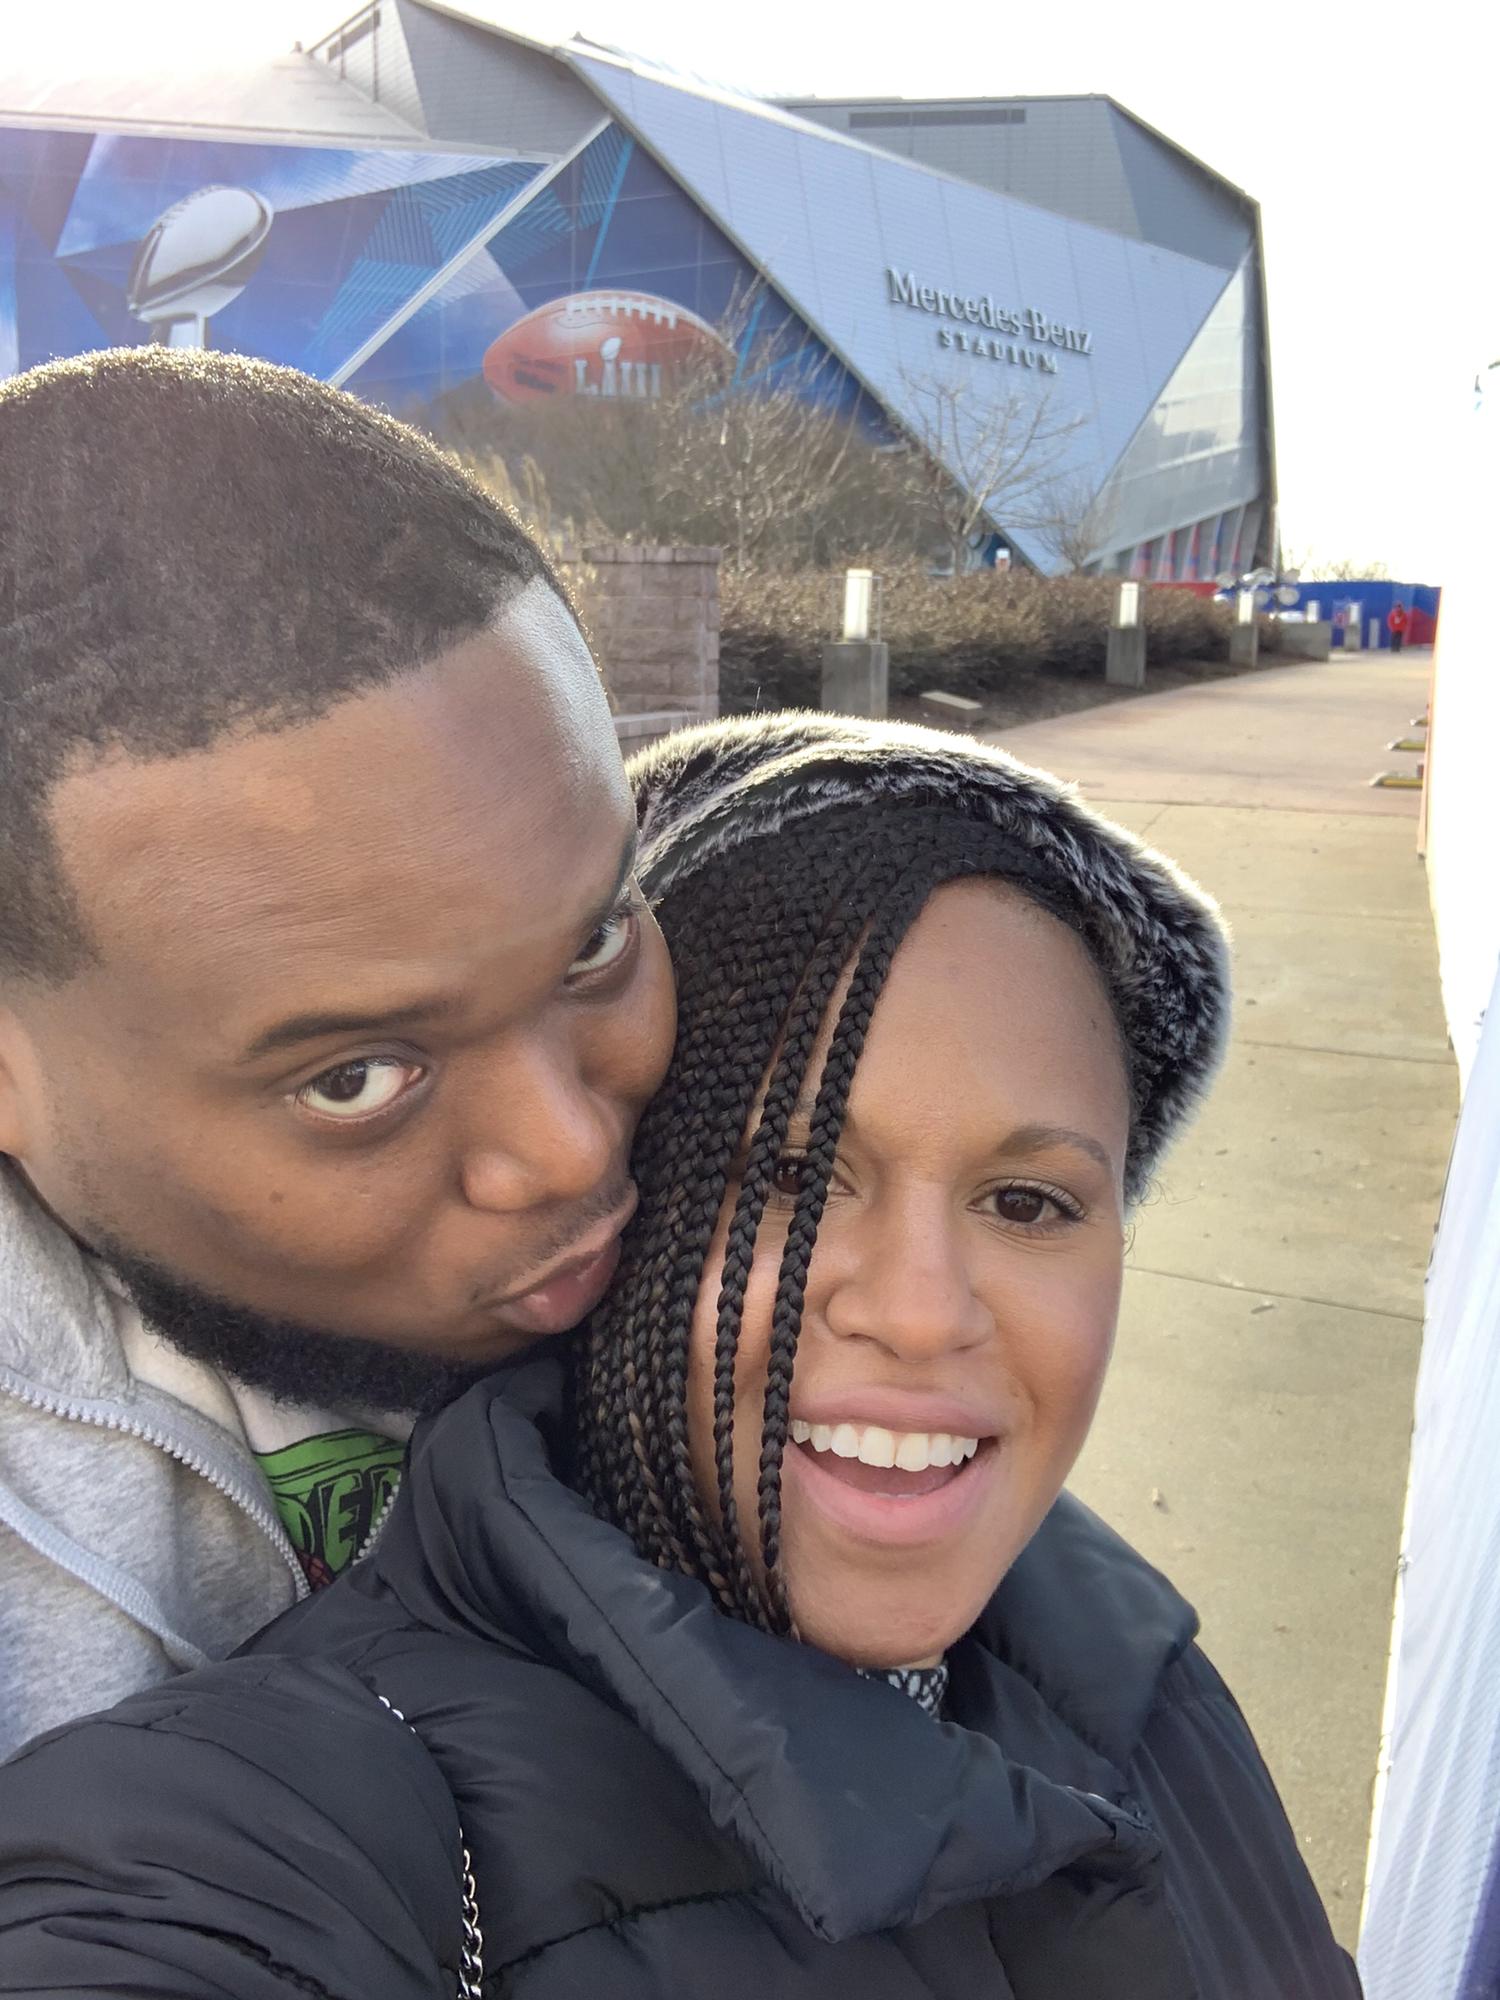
(17, 1064)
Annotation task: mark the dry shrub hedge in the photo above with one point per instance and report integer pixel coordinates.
(970, 634)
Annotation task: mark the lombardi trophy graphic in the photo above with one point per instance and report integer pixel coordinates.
(197, 258)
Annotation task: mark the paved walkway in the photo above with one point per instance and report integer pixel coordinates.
(1254, 1434)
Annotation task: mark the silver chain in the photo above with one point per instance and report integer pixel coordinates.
(471, 1967)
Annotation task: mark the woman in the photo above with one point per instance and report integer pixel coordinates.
(769, 1661)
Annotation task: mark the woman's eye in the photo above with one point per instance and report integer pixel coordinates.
(359, 1089)
(1032, 1207)
(788, 1175)
(608, 944)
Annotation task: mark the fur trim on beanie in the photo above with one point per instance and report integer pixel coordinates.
(1158, 939)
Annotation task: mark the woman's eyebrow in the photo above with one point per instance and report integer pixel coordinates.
(1043, 1138)
(799, 1115)
(1025, 1139)
(807, 1103)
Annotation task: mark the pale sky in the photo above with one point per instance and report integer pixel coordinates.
(1365, 133)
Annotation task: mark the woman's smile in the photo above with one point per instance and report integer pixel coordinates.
(888, 1465)
(889, 1498)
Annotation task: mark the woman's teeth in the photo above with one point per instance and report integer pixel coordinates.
(911, 1451)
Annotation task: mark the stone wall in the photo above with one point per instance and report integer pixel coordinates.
(1311, 640)
(654, 617)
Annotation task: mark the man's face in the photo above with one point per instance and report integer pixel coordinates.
(376, 1008)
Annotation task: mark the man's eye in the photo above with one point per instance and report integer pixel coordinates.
(608, 944)
(359, 1089)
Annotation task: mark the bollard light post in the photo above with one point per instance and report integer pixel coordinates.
(1244, 634)
(1125, 649)
(856, 666)
(859, 602)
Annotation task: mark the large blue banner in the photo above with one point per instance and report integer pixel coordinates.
(302, 254)
(604, 282)
(410, 276)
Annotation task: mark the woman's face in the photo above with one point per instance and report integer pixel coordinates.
(963, 1290)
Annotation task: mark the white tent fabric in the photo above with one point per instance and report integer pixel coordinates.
(1432, 1922)
(1432, 1928)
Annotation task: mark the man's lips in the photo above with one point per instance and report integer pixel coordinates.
(569, 1289)
(566, 1299)
(587, 1247)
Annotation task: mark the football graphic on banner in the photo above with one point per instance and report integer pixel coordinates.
(605, 343)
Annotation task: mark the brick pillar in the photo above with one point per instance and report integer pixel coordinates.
(654, 617)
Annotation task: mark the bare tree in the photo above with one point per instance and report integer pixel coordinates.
(980, 458)
(1072, 522)
(1338, 569)
(757, 460)
(754, 448)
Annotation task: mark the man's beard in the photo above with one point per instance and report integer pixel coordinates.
(285, 1359)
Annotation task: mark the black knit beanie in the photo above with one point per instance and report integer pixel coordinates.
(1159, 941)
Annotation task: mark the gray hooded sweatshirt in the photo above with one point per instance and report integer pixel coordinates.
(137, 1536)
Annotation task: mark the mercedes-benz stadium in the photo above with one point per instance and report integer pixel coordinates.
(425, 206)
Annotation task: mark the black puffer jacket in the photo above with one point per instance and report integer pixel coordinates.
(661, 1803)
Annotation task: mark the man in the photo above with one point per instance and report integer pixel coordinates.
(327, 1000)
(1396, 621)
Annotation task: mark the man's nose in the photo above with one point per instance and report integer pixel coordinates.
(903, 1280)
(536, 1134)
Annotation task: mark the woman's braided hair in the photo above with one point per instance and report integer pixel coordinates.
(760, 938)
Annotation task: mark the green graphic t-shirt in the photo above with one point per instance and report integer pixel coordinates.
(329, 1491)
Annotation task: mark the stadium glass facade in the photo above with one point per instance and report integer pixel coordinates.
(428, 210)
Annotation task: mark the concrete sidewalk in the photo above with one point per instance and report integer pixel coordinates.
(1254, 1434)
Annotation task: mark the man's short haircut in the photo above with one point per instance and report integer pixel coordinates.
(193, 544)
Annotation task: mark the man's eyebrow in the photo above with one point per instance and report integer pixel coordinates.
(323, 1024)
(626, 869)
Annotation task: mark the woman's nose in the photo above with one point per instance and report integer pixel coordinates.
(536, 1134)
(902, 1280)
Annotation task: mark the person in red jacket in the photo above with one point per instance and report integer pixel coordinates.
(1396, 622)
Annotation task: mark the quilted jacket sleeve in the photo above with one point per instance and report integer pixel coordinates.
(1253, 1922)
(204, 1840)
